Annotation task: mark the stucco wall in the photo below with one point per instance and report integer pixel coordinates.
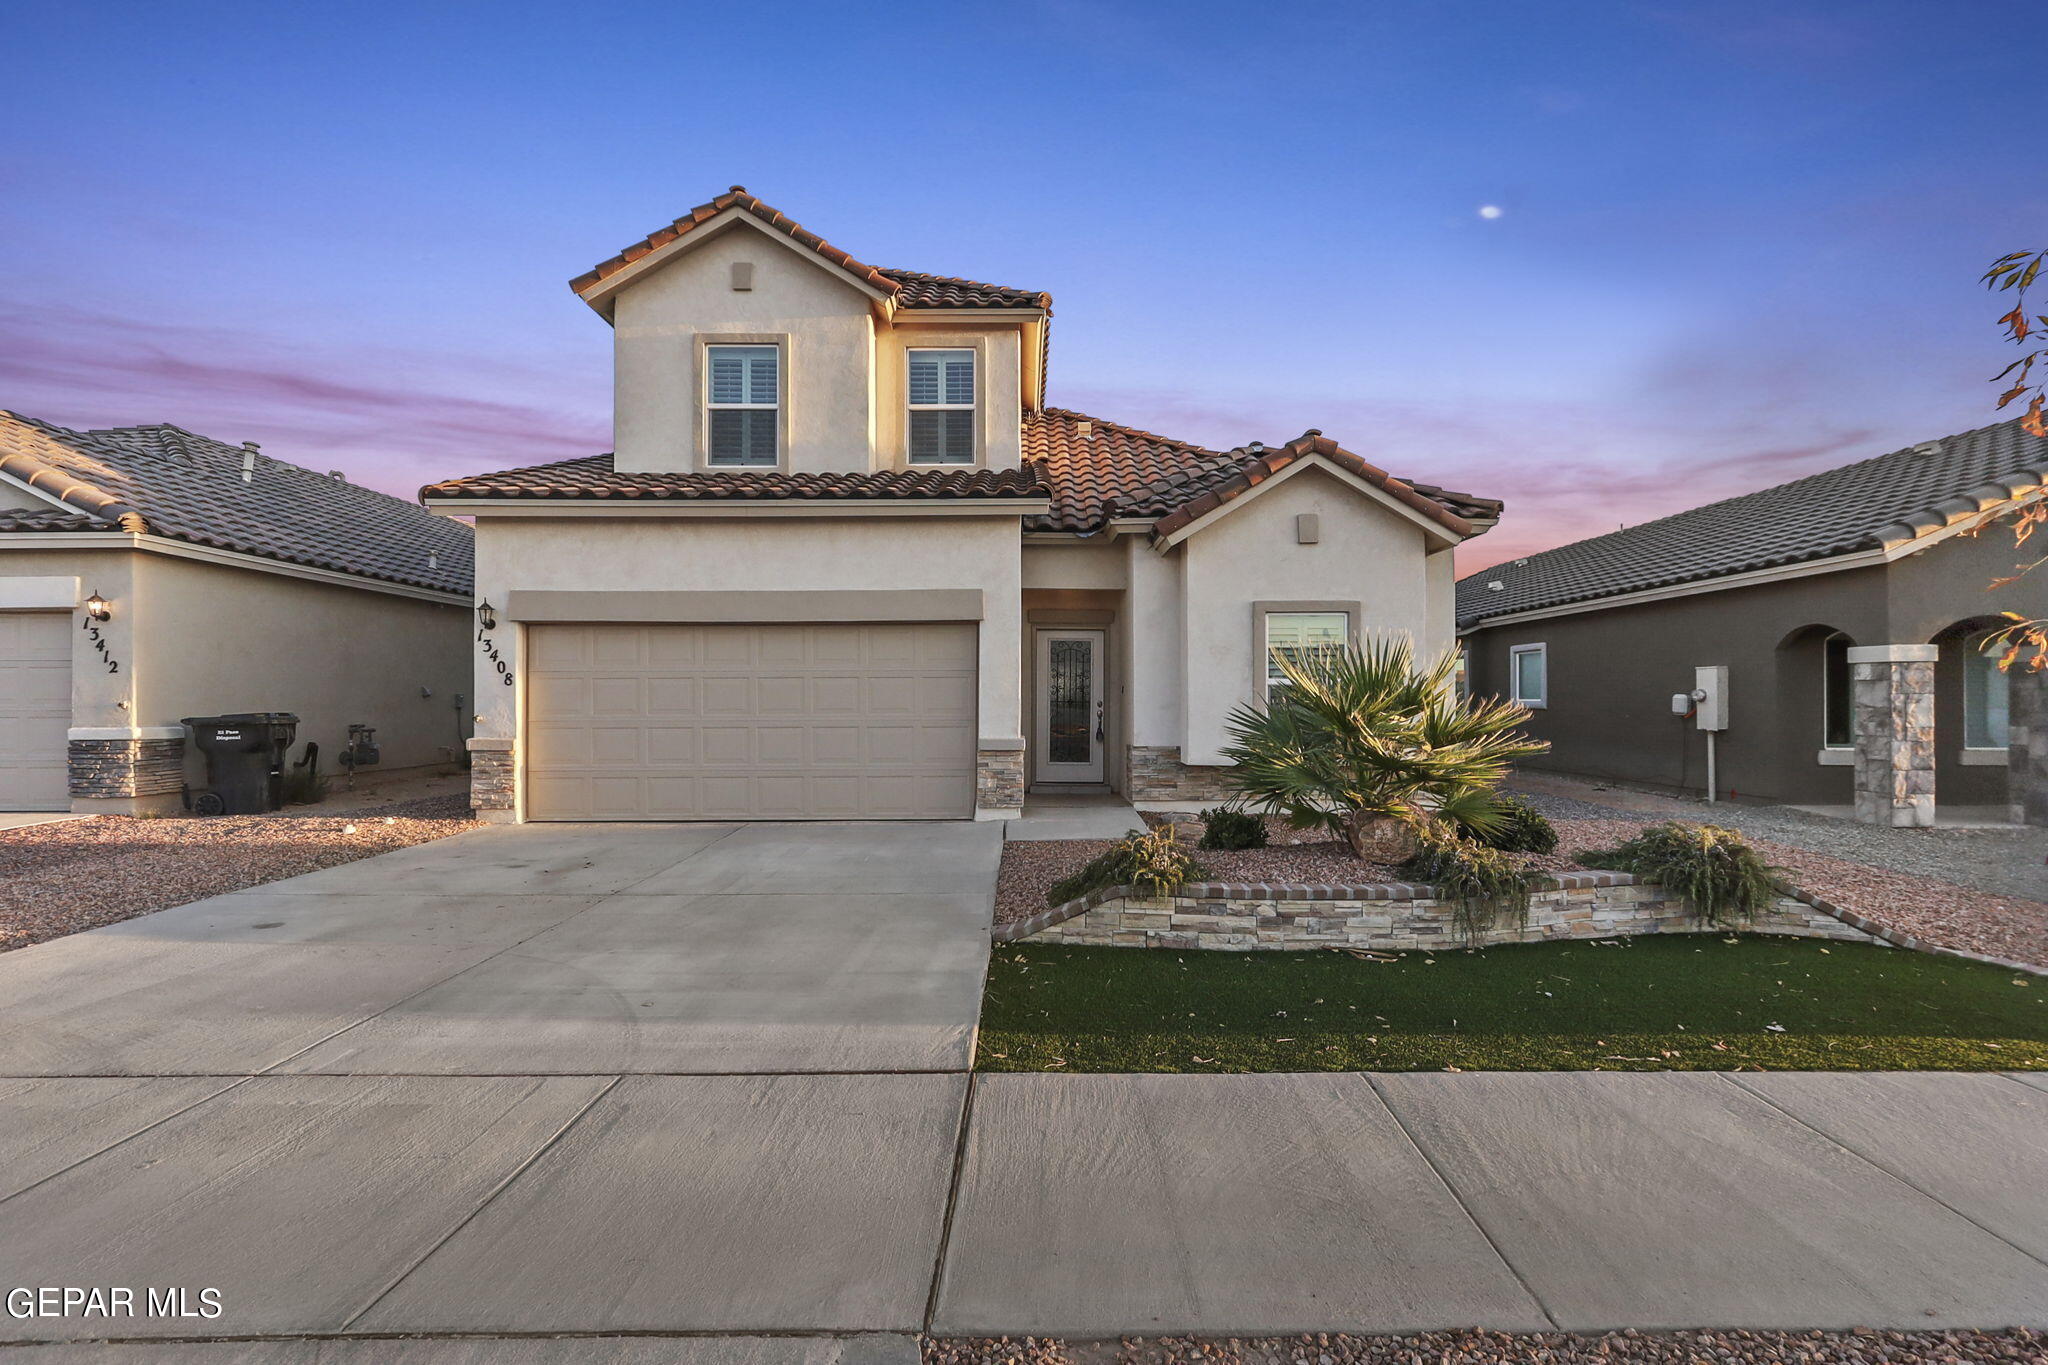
(780, 554)
(1367, 553)
(209, 639)
(844, 388)
(1612, 672)
(657, 379)
(192, 638)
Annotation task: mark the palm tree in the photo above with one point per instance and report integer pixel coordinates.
(1358, 742)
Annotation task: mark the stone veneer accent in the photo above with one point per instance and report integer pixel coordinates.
(999, 779)
(2027, 770)
(103, 769)
(1894, 699)
(493, 775)
(1394, 917)
(1157, 774)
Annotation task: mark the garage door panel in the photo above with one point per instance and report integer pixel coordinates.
(726, 745)
(35, 709)
(727, 722)
(783, 695)
(673, 746)
(610, 696)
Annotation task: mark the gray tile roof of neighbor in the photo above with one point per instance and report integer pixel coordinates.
(1878, 502)
(166, 481)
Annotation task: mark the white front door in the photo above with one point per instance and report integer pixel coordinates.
(1070, 721)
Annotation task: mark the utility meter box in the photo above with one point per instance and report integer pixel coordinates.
(1710, 686)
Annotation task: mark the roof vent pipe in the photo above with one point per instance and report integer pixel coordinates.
(249, 449)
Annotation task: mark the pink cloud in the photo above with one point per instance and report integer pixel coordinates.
(389, 422)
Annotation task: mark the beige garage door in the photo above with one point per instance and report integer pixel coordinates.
(35, 709)
(763, 722)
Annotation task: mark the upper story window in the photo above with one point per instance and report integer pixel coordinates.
(1300, 636)
(1529, 675)
(745, 404)
(942, 407)
(1986, 699)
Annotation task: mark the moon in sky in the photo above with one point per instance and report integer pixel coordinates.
(1489, 210)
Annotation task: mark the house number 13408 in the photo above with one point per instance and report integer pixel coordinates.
(497, 659)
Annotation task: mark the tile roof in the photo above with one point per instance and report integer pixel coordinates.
(592, 476)
(170, 482)
(1118, 471)
(1883, 501)
(909, 288)
(1112, 472)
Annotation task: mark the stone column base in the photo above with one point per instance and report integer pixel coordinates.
(140, 774)
(2027, 758)
(1894, 697)
(494, 780)
(999, 782)
(1156, 774)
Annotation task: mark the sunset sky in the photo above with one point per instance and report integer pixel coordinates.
(1734, 242)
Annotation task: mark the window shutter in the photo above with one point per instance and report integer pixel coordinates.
(728, 376)
(728, 435)
(960, 435)
(761, 386)
(924, 377)
(959, 367)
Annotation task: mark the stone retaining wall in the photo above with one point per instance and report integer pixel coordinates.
(1394, 917)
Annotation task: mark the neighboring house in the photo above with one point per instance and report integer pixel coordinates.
(845, 562)
(148, 574)
(1849, 609)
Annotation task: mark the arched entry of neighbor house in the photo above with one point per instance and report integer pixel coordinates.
(1971, 702)
(1817, 716)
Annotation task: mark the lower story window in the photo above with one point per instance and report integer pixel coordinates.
(1529, 675)
(1986, 695)
(1300, 635)
(1838, 711)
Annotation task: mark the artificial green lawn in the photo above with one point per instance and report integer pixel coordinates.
(1676, 1002)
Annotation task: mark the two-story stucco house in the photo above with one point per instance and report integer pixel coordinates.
(845, 562)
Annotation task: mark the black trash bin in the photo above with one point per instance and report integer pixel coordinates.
(244, 761)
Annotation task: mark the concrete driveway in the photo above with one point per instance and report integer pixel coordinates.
(541, 949)
(681, 1079)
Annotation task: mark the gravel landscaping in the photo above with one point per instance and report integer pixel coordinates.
(1860, 1347)
(1826, 858)
(75, 875)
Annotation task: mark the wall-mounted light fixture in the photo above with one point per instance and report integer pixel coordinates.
(96, 607)
(487, 615)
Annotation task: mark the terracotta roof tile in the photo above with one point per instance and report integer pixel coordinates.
(1092, 471)
(593, 477)
(1118, 471)
(167, 481)
(909, 288)
(1881, 501)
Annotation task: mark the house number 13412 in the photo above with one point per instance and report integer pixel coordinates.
(497, 659)
(99, 644)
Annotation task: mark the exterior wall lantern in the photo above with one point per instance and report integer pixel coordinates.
(487, 615)
(97, 606)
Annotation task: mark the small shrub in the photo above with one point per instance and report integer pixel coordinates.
(1483, 885)
(1714, 869)
(303, 785)
(1518, 827)
(1224, 828)
(1152, 864)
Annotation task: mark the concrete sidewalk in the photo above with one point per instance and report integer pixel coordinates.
(659, 1080)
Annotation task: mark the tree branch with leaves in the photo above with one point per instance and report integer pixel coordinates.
(2025, 639)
